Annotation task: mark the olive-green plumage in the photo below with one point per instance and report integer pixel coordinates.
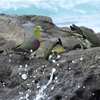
(58, 49)
(86, 38)
(30, 45)
(54, 49)
(80, 38)
(90, 37)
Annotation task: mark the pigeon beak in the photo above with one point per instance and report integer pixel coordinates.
(41, 29)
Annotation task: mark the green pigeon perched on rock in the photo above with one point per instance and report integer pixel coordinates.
(80, 38)
(30, 45)
(87, 39)
(54, 49)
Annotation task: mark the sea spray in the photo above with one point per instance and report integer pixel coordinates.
(41, 94)
(62, 12)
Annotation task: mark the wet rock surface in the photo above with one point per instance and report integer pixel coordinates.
(74, 76)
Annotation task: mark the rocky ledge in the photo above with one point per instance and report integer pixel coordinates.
(74, 76)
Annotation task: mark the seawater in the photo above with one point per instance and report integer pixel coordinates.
(63, 12)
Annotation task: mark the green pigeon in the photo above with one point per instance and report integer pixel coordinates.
(30, 45)
(87, 39)
(80, 38)
(54, 49)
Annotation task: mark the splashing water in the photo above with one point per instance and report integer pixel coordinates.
(41, 94)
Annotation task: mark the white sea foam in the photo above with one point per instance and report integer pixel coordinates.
(53, 5)
(63, 12)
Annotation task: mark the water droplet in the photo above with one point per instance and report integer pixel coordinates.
(42, 66)
(4, 85)
(31, 50)
(81, 58)
(34, 76)
(29, 90)
(36, 71)
(25, 69)
(28, 84)
(57, 64)
(38, 86)
(83, 86)
(50, 57)
(69, 68)
(9, 60)
(27, 95)
(33, 81)
(58, 57)
(21, 98)
(24, 76)
(52, 87)
(92, 93)
(20, 73)
(10, 55)
(26, 65)
(20, 92)
(58, 82)
(56, 78)
(78, 86)
(20, 66)
(73, 61)
(53, 61)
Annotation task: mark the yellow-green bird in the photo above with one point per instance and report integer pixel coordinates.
(88, 38)
(54, 49)
(30, 45)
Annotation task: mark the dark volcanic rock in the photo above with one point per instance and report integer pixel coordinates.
(74, 76)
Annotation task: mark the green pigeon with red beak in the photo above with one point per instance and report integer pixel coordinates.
(30, 45)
